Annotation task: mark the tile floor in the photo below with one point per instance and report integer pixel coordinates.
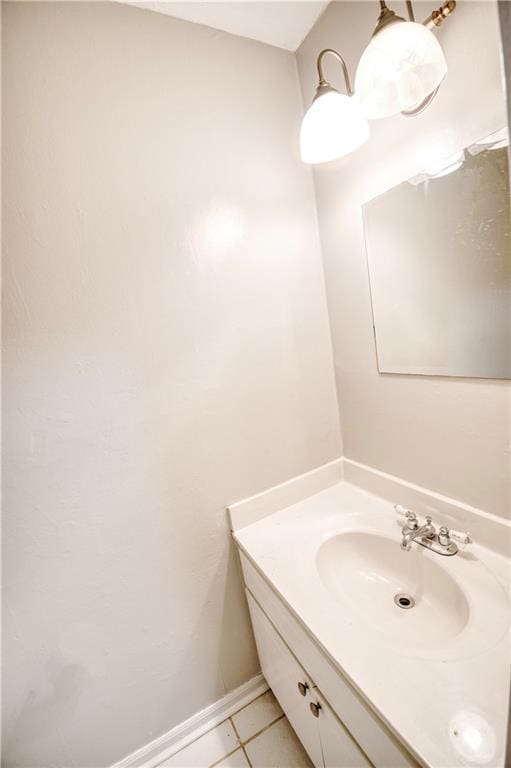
(258, 736)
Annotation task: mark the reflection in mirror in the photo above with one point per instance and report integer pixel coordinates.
(438, 252)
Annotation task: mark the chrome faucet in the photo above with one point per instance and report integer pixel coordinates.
(411, 530)
(442, 542)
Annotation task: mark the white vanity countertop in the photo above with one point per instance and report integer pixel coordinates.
(450, 709)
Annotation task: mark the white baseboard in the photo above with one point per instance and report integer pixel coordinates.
(181, 735)
(296, 489)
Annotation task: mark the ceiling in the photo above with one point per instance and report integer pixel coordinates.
(284, 24)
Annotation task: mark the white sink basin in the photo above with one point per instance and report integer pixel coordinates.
(364, 571)
(438, 672)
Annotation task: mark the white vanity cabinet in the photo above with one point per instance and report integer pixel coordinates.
(325, 739)
(338, 747)
(285, 677)
(342, 732)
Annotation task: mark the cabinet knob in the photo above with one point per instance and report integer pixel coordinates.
(303, 688)
(315, 708)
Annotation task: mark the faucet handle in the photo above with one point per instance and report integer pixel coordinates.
(461, 537)
(411, 518)
(404, 512)
(445, 536)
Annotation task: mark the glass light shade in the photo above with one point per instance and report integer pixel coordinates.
(332, 127)
(402, 64)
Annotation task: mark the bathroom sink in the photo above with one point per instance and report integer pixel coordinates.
(410, 598)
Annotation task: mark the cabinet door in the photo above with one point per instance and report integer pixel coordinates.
(338, 746)
(283, 674)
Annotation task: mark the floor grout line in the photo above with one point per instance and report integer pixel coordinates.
(241, 743)
(258, 733)
(242, 747)
(246, 756)
(251, 702)
(234, 726)
(197, 738)
(238, 746)
(227, 755)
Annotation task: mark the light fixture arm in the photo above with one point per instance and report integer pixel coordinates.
(439, 16)
(433, 21)
(386, 17)
(324, 83)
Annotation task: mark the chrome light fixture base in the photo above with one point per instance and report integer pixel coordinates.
(322, 89)
(387, 16)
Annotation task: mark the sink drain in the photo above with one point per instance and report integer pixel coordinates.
(402, 600)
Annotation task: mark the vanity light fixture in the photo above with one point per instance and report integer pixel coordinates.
(400, 71)
(334, 124)
(402, 67)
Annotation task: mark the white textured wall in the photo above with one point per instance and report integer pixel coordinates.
(451, 435)
(166, 352)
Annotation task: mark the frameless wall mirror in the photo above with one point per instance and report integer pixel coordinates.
(439, 257)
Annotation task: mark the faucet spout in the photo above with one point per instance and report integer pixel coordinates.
(426, 534)
(410, 534)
